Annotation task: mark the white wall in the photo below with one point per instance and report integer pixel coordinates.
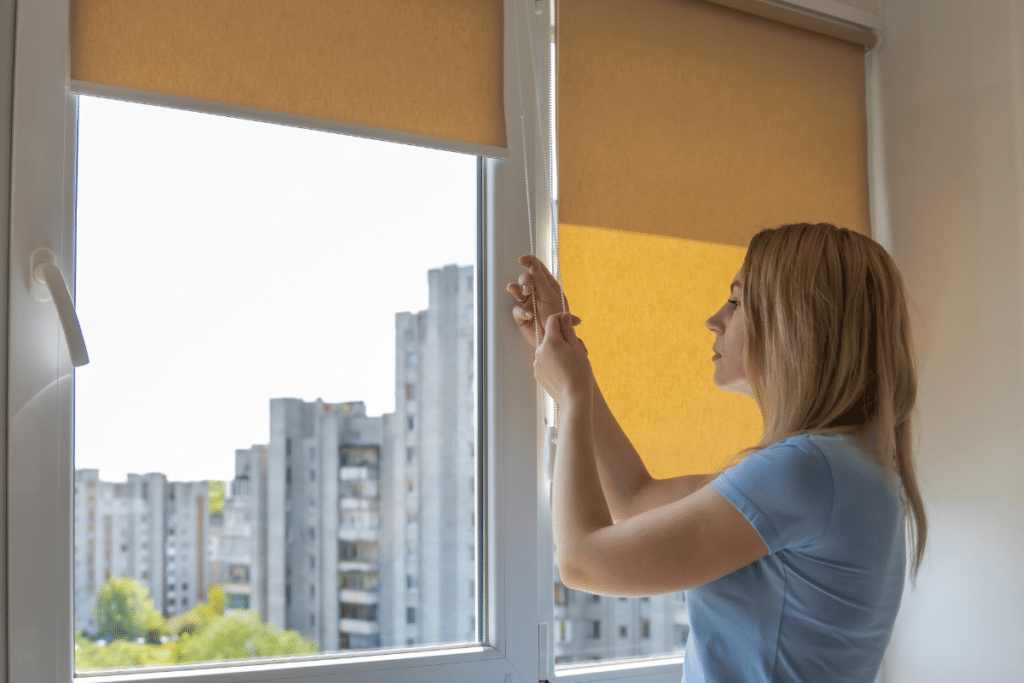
(953, 112)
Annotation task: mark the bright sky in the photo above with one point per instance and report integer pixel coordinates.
(222, 263)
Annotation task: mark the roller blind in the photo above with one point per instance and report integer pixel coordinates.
(404, 65)
(684, 127)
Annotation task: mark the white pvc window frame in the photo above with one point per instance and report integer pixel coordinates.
(40, 484)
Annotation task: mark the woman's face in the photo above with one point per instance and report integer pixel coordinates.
(728, 325)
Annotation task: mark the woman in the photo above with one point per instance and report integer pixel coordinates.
(793, 555)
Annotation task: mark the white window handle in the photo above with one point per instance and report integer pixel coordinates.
(45, 283)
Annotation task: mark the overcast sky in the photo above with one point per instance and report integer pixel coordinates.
(222, 263)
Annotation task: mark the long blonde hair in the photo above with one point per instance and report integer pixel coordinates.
(829, 348)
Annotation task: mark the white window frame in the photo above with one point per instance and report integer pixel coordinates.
(40, 479)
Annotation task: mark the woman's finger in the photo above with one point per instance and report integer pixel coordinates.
(540, 278)
(516, 290)
(552, 326)
(526, 284)
(541, 274)
(522, 315)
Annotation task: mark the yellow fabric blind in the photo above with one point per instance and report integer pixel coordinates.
(404, 65)
(684, 128)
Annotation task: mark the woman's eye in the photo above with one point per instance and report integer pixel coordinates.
(734, 303)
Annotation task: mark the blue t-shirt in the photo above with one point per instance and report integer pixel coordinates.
(820, 606)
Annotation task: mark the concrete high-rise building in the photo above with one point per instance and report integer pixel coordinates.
(317, 513)
(147, 528)
(241, 548)
(359, 532)
(187, 521)
(429, 541)
(592, 628)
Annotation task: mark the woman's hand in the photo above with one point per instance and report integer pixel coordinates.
(539, 283)
(560, 363)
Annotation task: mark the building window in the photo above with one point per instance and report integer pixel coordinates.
(312, 475)
(410, 615)
(410, 454)
(645, 628)
(622, 632)
(595, 628)
(411, 423)
(410, 392)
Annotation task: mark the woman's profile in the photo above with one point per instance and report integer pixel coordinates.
(793, 556)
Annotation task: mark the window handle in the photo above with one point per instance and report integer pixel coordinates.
(45, 283)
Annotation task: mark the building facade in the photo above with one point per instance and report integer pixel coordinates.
(147, 528)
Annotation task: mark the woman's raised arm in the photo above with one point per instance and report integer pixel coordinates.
(628, 487)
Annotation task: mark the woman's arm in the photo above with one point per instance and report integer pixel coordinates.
(628, 486)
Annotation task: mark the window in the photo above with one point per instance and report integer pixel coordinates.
(43, 214)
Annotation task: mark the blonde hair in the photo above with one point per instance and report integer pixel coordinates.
(829, 348)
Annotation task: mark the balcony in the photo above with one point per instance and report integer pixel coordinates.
(358, 534)
(359, 597)
(358, 473)
(359, 627)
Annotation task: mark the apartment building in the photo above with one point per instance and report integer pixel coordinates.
(430, 483)
(147, 528)
(241, 550)
(592, 628)
(299, 543)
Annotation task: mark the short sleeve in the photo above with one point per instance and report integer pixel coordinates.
(785, 491)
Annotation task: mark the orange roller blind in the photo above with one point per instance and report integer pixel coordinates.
(405, 65)
(684, 128)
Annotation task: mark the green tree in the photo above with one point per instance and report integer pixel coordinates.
(119, 654)
(124, 611)
(215, 598)
(216, 489)
(196, 619)
(200, 616)
(241, 635)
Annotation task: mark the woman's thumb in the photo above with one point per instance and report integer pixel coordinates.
(552, 326)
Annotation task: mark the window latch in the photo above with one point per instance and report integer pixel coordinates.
(45, 283)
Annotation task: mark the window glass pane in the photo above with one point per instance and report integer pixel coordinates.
(263, 301)
(590, 628)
